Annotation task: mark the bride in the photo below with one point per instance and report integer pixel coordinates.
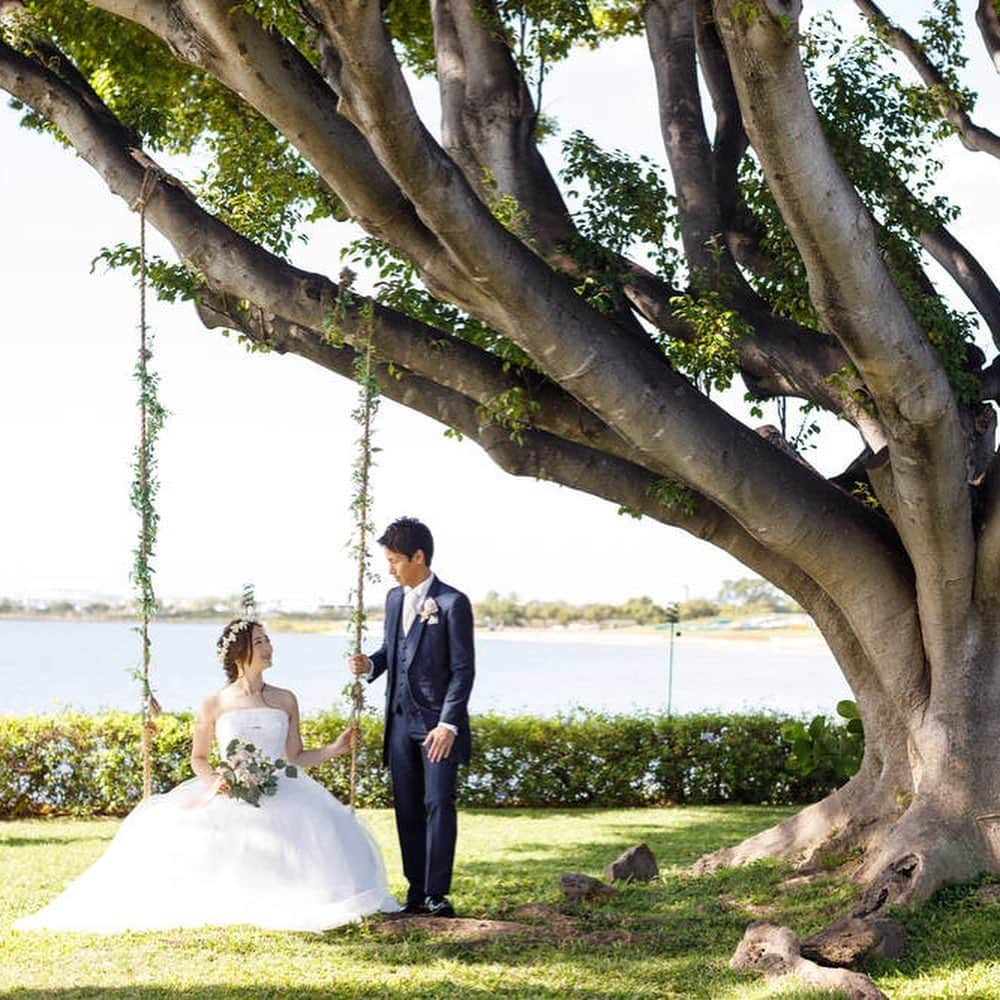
(198, 856)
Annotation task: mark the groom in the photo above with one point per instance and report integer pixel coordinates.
(428, 655)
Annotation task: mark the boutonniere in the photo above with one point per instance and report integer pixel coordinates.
(429, 611)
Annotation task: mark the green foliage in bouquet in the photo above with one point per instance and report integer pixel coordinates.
(249, 774)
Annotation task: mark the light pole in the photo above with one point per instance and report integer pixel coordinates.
(672, 619)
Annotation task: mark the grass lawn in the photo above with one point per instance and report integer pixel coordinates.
(672, 938)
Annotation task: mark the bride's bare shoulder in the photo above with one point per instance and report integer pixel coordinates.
(210, 707)
(282, 698)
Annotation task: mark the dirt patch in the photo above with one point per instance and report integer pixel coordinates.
(547, 923)
(455, 928)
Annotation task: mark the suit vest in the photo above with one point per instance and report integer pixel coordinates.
(402, 702)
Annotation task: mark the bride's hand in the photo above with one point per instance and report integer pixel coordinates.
(349, 739)
(219, 785)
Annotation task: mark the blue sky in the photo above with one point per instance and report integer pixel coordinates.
(255, 457)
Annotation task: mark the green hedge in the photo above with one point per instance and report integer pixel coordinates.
(89, 765)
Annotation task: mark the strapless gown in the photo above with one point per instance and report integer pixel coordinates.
(301, 861)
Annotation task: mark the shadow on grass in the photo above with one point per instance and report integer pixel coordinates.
(335, 989)
(673, 846)
(50, 841)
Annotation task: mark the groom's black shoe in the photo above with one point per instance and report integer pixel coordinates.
(439, 906)
(414, 907)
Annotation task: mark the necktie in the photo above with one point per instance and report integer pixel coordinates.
(409, 610)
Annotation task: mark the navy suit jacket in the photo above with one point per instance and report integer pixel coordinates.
(442, 663)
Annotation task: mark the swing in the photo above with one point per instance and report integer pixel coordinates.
(150, 420)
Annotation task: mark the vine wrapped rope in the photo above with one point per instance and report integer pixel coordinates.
(144, 488)
(364, 414)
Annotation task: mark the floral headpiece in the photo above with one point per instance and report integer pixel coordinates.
(230, 635)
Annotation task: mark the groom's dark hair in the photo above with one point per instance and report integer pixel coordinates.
(405, 535)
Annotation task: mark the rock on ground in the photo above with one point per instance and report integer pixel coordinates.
(576, 886)
(637, 864)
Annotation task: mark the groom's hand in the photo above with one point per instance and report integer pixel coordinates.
(439, 743)
(359, 664)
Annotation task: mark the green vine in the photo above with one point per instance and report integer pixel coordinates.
(145, 486)
(361, 501)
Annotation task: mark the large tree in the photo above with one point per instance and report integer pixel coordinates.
(576, 326)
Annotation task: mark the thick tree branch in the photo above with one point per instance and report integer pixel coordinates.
(989, 27)
(780, 358)
(729, 145)
(967, 273)
(857, 301)
(240, 269)
(489, 119)
(279, 83)
(488, 130)
(670, 35)
(973, 137)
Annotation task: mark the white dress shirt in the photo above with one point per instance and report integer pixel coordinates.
(413, 598)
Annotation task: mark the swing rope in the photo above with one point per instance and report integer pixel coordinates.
(362, 509)
(150, 419)
(141, 494)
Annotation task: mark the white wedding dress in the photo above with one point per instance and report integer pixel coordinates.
(301, 861)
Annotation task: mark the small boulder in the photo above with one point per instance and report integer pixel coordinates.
(576, 886)
(637, 864)
(848, 940)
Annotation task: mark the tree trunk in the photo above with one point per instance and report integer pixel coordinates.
(924, 807)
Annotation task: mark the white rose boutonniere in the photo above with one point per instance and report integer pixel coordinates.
(429, 611)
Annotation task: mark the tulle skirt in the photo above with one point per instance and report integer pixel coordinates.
(301, 861)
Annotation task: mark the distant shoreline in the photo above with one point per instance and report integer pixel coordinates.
(696, 633)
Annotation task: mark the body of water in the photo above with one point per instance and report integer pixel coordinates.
(50, 665)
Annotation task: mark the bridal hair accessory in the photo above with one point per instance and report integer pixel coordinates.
(230, 636)
(429, 611)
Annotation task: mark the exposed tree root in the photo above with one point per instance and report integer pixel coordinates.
(919, 854)
(906, 858)
(776, 950)
(847, 819)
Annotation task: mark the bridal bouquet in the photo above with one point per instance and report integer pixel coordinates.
(249, 774)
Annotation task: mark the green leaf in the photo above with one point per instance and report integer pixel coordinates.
(817, 727)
